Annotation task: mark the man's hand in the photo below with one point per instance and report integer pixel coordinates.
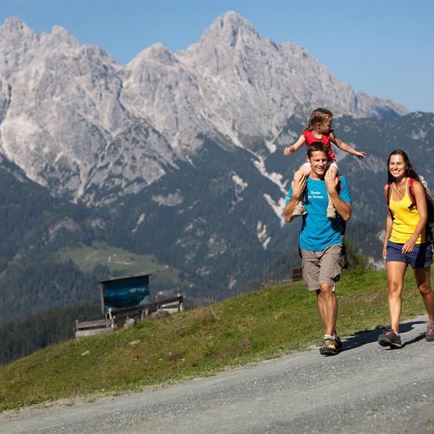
(331, 181)
(299, 186)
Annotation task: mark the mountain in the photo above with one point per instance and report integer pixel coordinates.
(175, 157)
(77, 122)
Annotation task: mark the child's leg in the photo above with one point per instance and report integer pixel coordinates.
(331, 210)
(303, 170)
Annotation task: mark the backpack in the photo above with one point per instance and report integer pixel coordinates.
(429, 202)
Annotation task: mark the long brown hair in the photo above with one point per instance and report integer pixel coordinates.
(409, 170)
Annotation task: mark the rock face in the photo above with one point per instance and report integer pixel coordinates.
(77, 122)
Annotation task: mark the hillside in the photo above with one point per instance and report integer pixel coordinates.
(251, 326)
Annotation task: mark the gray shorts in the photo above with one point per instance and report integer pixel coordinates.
(323, 266)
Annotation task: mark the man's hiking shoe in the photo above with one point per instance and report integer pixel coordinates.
(299, 210)
(430, 332)
(330, 346)
(389, 338)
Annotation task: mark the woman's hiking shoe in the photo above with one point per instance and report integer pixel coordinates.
(330, 346)
(389, 338)
(430, 332)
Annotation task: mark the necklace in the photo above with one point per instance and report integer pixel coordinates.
(402, 193)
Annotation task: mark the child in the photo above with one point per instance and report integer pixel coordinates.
(320, 129)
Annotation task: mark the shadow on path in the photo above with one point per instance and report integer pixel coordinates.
(367, 336)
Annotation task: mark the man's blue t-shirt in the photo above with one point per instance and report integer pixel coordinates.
(317, 231)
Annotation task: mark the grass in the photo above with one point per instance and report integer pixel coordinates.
(117, 260)
(249, 327)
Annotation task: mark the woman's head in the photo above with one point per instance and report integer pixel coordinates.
(318, 117)
(399, 166)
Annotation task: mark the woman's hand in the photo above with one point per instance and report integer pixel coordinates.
(408, 246)
(384, 252)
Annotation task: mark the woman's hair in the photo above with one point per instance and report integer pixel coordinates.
(319, 115)
(409, 170)
(314, 147)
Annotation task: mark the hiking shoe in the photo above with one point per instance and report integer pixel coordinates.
(389, 338)
(430, 332)
(299, 210)
(329, 347)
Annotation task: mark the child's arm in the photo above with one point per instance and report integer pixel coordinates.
(347, 148)
(295, 147)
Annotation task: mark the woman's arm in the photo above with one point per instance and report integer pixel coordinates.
(419, 193)
(389, 222)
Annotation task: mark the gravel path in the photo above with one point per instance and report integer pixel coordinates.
(364, 389)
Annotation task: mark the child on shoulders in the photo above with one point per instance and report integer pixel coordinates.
(319, 129)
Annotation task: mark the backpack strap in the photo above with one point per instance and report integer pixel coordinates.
(411, 193)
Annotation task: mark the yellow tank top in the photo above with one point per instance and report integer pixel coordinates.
(405, 220)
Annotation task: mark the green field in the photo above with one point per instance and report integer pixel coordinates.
(249, 327)
(118, 261)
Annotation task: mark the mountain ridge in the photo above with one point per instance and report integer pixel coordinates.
(64, 104)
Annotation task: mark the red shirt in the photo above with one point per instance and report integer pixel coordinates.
(325, 139)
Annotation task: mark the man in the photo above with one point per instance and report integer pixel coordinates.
(321, 238)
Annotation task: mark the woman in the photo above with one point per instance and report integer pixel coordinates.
(406, 243)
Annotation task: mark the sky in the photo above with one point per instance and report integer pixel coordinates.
(381, 47)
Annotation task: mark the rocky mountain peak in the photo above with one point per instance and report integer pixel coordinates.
(16, 26)
(59, 35)
(231, 29)
(155, 53)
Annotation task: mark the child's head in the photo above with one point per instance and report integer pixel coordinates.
(320, 117)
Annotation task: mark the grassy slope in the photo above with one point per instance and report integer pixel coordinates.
(117, 260)
(248, 327)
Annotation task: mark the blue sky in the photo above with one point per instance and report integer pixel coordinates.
(381, 47)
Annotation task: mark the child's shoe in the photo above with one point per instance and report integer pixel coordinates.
(299, 210)
(331, 212)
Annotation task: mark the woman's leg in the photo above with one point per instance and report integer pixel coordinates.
(423, 282)
(395, 280)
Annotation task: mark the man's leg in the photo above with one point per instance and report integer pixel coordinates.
(331, 262)
(328, 307)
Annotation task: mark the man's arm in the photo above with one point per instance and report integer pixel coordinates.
(342, 208)
(295, 197)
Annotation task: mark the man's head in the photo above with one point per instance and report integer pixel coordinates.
(317, 155)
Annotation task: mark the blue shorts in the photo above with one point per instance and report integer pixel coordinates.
(420, 257)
